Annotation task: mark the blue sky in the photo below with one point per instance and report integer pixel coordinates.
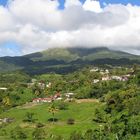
(134, 2)
(125, 2)
(10, 48)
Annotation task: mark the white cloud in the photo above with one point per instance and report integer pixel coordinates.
(6, 20)
(92, 5)
(69, 3)
(38, 25)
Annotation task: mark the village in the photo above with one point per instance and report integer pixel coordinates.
(104, 76)
(68, 97)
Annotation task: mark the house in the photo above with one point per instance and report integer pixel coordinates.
(49, 85)
(96, 81)
(107, 71)
(118, 78)
(42, 100)
(106, 78)
(94, 70)
(57, 96)
(124, 78)
(3, 88)
(69, 95)
(41, 85)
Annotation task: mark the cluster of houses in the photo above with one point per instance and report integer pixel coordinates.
(107, 77)
(56, 97)
(101, 71)
(114, 77)
(42, 84)
(117, 78)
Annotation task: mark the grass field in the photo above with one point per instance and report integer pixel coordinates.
(82, 113)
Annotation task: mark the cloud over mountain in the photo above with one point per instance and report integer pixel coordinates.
(38, 25)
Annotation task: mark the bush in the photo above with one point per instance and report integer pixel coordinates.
(29, 117)
(38, 134)
(52, 120)
(70, 121)
(63, 106)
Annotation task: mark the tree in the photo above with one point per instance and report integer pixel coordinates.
(53, 110)
(6, 101)
(29, 117)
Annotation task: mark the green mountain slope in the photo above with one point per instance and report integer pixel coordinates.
(63, 60)
(71, 54)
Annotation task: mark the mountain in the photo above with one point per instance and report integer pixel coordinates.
(71, 54)
(63, 60)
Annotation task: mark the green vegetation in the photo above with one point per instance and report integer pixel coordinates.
(66, 60)
(82, 113)
(89, 104)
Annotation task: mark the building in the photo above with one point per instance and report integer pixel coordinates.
(96, 81)
(49, 85)
(42, 100)
(57, 96)
(94, 70)
(69, 95)
(106, 78)
(117, 78)
(3, 88)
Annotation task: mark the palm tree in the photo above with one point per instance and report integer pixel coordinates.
(53, 110)
(6, 101)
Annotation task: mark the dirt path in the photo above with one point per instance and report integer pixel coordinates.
(87, 101)
(30, 105)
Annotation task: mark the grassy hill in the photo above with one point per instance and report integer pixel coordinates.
(64, 60)
(82, 114)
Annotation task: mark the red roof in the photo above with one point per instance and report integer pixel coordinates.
(57, 95)
(41, 99)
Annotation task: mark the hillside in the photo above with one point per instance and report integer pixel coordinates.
(61, 60)
(71, 54)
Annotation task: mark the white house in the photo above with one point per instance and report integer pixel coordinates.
(42, 100)
(49, 85)
(107, 71)
(118, 78)
(96, 81)
(94, 70)
(69, 95)
(106, 78)
(3, 88)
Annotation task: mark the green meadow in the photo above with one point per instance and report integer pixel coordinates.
(82, 113)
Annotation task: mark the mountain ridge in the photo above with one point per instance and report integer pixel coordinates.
(65, 59)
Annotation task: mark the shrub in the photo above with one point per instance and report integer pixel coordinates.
(70, 121)
(29, 117)
(38, 134)
(52, 120)
(63, 106)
